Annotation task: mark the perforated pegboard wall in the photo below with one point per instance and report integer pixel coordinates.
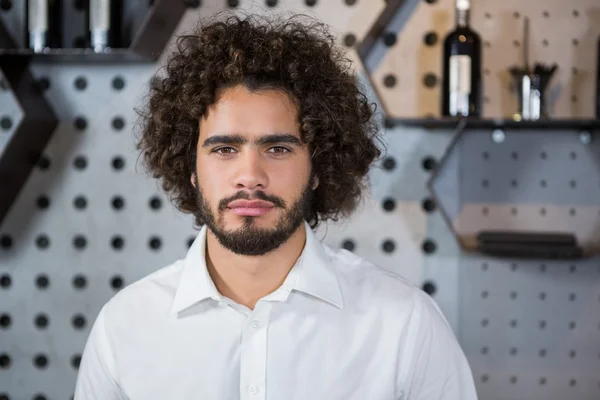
(89, 222)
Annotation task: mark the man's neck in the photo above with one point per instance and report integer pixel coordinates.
(247, 279)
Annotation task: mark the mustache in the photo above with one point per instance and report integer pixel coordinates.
(277, 201)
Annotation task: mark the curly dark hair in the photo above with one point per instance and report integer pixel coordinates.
(297, 55)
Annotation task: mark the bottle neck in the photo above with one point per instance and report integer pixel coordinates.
(463, 11)
(462, 18)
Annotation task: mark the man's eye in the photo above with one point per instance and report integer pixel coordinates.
(224, 150)
(279, 149)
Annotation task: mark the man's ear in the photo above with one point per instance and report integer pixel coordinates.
(193, 179)
(315, 182)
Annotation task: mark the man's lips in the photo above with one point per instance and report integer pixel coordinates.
(252, 208)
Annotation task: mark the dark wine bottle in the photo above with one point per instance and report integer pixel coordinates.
(43, 25)
(104, 24)
(461, 96)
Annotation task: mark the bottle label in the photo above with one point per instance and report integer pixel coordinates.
(460, 84)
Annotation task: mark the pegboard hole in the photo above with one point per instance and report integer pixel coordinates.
(429, 246)
(42, 241)
(39, 397)
(485, 322)
(513, 323)
(79, 282)
(80, 123)
(5, 281)
(429, 163)
(389, 39)
(76, 361)
(485, 183)
(155, 243)
(487, 44)
(80, 163)
(484, 378)
(79, 242)
(575, 13)
(6, 242)
(116, 282)
(542, 353)
(117, 242)
(542, 381)
(232, 3)
(43, 202)
(43, 163)
(350, 2)
(542, 324)
(546, 14)
(430, 1)
(543, 183)
(389, 163)
(348, 244)
(40, 361)
(41, 321)
(389, 204)
(544, 155)
(389, 80)
(516, 15)
(5, 5)
(117, 202)
(429, 287)
(572, 269)
(513, 211)
(118, 123)
(428, 205)
(487, 15)
(349, 40)
(118, 163)
(542, 296)
(80, 83)
(310, 3)
(5, 321)
(573, 99)
(572, 212)
(575, 42)
(513, 295)
(78, 321)
(572, 382)
(430, 80)
(545, 42)
(513, 380)
(430, 38)
(6, 123)
(485, 211)
(572, 354)
(484, 350)
(80, 202)
(513, 351)
(516, 43)
(388, 246)
(118, 83)
(514, 183)
(4, 361)
(271, 3)
(573, 184)
(486, 72)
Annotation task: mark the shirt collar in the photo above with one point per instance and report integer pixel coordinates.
(312, 274)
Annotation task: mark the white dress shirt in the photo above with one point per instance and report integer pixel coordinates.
(339, 328)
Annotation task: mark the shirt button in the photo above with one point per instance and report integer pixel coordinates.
(256, 324)
(253, 389)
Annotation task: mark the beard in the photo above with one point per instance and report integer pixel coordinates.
(250, 239)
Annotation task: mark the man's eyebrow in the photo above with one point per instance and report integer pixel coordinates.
(238, 139)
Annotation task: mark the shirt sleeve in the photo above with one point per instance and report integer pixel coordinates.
(440, 370)
(97, 377)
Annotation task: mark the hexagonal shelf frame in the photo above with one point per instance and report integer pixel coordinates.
(504, 191)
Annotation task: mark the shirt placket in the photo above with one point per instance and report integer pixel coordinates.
(253, 357)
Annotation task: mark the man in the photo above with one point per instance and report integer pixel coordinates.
(261, 132)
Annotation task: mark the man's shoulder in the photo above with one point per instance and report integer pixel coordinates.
(360, 277)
